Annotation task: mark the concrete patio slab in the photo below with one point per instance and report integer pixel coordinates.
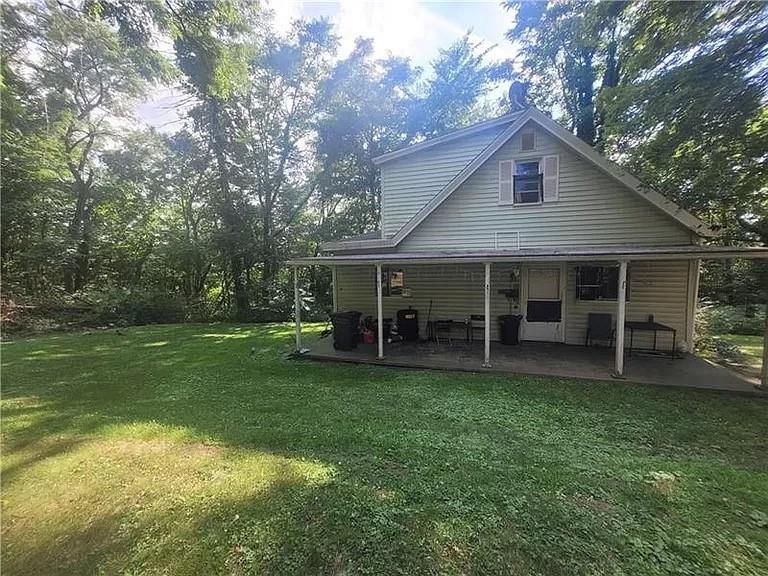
(546, 359)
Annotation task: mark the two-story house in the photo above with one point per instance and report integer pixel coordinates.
(517, 215)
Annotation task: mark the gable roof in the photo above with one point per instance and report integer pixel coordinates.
(517, 121)
(455, 135)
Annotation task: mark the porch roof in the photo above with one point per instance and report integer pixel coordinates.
(586, 253)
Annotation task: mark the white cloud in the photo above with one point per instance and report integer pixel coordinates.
(401, 27)
(285, 12)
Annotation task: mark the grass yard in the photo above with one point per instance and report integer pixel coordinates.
(751, 348)
(178, 450)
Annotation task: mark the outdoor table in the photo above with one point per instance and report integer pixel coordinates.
(654, 327)
(435, 326)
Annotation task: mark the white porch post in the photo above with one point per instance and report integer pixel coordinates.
(379, 311)
(334, 289)
(620, 315)
(487, 335)
(694, 273)
(764, 372)
(297, 307)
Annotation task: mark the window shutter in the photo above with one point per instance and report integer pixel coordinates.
(505, 182)
(551, 180)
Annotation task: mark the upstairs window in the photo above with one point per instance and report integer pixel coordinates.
(527, 182)
(598, 283)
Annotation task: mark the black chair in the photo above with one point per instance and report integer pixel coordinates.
(444, 327)
(600, 327)
(476, 322)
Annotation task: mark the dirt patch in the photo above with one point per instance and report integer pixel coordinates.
(593, 503)
(133, 447)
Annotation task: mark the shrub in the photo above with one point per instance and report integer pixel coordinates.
(125, 308)
(713, 319)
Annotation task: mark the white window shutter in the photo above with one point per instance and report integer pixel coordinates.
(551, 180)
(505, 182)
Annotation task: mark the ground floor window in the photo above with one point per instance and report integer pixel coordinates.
(392, 281)
(598, 283)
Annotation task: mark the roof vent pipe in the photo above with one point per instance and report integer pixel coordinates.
(518, 96)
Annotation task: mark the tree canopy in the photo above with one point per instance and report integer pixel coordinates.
(279, 134)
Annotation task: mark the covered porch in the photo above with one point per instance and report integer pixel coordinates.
(474, 288)
(543, 359)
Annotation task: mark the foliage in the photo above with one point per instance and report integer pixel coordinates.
(201, 449)
(116, 307)
(366, 104)
(714, 319)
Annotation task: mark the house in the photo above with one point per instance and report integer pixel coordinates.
(517, 215)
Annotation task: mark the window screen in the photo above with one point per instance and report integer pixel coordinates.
(598, 283)
(527, 182)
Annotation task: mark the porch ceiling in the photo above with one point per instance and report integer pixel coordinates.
(634, 253)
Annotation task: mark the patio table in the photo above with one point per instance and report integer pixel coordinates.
(654, 327)
(436, 326)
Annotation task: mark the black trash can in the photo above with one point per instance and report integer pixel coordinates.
(408, 324)
(509, 328)
(346, 330)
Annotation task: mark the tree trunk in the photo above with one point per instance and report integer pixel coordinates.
(232, 223)
(585, 120)
(76, 269)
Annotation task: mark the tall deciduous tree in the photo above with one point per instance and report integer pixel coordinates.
(366, 104)
(454, 94)
(213, 41)
(275, 135)
(570, 54)
(83, 79)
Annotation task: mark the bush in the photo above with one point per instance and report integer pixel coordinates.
(125, 308)
(713, 319)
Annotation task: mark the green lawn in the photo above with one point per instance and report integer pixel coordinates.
(178, 450)
(751, 348)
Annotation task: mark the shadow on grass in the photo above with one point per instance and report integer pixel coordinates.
(441, 471)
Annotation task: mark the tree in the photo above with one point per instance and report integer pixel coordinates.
(573, 47)
(80, 76)
(365, 109)
(276, 135)
(212, 43)
(454, 95)
(689, 115)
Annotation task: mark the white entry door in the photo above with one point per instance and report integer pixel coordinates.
(543, 307)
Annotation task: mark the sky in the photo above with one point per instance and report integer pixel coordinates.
(411, 28)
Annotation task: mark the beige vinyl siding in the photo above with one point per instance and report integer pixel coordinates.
(592, 209)
(409, 183)
(659, 288)
(456, 292)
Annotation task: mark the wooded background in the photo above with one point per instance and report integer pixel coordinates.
(121, 223)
